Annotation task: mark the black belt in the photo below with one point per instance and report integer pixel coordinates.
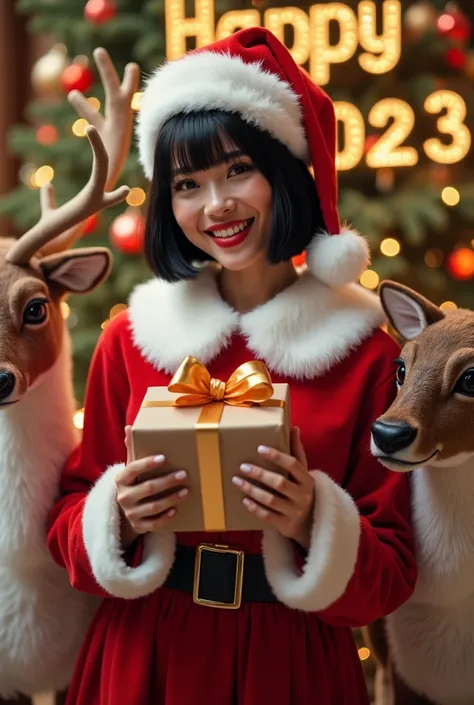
(219, 576)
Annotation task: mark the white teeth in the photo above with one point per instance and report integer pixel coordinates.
(232, 231)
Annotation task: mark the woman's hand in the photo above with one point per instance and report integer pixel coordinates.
(288, 503)
(142, 511)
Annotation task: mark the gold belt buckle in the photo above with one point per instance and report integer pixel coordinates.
(239, 574)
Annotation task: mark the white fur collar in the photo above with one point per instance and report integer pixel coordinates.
(301, 332)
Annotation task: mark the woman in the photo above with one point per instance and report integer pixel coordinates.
(226, 135)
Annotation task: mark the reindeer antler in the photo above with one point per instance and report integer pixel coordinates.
(89, 200)
(114, 127)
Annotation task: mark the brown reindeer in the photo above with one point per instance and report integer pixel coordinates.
(425, 649)
(42, 618)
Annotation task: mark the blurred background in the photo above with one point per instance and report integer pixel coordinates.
(401, 75)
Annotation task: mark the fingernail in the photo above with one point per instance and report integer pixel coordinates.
(181, 475)
(237, 481)
(183, 493)
(245, 467)
(246, 501)
(263, 450)
(172, 512)
(158, 458)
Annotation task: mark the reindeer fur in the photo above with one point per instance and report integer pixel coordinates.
(425, 648)
(42, 618)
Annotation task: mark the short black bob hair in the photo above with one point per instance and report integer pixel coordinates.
(197, 140)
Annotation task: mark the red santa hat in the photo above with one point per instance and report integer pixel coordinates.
(253, 74)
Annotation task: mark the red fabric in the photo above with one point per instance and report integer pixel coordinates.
(258, 44)
(163, 649)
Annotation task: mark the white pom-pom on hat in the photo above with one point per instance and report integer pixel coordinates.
(337, 260)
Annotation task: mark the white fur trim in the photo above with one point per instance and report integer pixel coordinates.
(43, 619)
(331, 557)
(101, 531)
(302, 332)
(170, 321)
(338, 259)
(210, 80)
(431, 635)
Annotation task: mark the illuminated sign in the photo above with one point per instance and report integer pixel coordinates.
(312, 47)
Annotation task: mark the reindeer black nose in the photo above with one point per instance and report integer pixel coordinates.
(7, 384)
(390, 437)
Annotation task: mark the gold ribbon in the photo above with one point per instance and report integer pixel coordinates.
(248, 385)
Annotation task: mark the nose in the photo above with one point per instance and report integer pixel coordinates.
(7, 384)
(391, 437)
(219, 203)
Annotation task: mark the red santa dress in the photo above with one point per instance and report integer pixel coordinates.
(152, 645)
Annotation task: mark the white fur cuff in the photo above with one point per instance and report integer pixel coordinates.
(331, 557)
(101, 531)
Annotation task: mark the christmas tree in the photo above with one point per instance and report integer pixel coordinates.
(400, 75)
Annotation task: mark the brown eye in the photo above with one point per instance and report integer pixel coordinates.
(35, 312)
(465, 384)
(401, 372)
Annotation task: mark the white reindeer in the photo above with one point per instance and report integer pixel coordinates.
(425, 649)
(42, 618)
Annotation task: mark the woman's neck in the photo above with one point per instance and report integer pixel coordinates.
(254, 286)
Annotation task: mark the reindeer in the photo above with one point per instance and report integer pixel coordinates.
(42, 618)
(425, 649)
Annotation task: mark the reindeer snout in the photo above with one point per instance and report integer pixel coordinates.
(392, 437)
(7, 384)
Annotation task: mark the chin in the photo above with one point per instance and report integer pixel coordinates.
(238, 262)
(404, 461)
(396, 466)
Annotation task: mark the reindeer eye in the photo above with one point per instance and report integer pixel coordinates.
(35, 312)
(400, 372)
(465, 384)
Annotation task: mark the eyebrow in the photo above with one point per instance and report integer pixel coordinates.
(226, 158)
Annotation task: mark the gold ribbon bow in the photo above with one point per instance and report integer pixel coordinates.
(248, 385)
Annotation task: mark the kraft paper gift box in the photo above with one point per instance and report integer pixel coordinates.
(209, 434)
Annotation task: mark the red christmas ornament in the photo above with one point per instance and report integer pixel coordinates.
(91, 224)
(127, 232)
(47, 134)
(77, 78)
(455, 25)
(100, 11)
(456, 58)
(460, 263)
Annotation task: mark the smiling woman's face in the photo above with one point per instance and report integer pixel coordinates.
(225, 210)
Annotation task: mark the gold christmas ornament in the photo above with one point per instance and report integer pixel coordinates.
(47, 72)
(420, 17)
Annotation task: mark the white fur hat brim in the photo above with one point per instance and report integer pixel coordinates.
(211, 80)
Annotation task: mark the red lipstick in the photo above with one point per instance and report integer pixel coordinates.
(230, 240)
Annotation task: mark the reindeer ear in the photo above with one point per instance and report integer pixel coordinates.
(77, 271)
(408, 312)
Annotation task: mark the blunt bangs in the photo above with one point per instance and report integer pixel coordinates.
(199, 140)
